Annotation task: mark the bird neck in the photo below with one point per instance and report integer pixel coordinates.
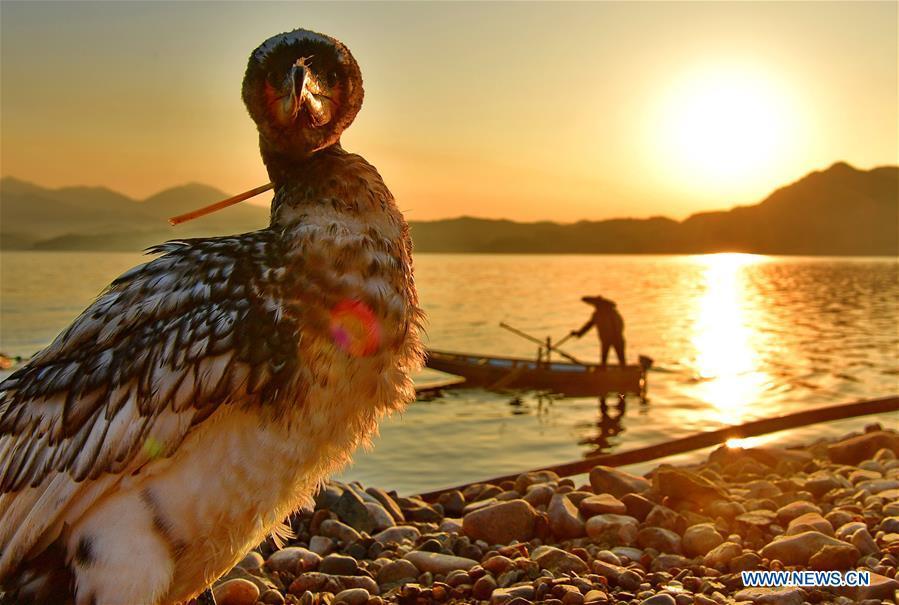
(287, 168)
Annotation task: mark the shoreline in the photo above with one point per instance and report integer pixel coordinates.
(678, 536)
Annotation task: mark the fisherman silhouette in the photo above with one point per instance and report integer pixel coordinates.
(610, 326)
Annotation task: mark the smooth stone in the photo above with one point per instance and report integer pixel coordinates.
(609, 557)
(236, 592)
(863, 541)
(757, 518)
(725, 509)
(314, 581)
(397, 570)
(601, 505)
(819, 483)
(834, 557)
(605, 479)
(252, 560)
(381, 519)
(261, 582)
(497, 564)
(510, 494)
(423, 513)
(855, 449)
(398, 534)
(339, 565)
(771, 596)
(293, 559)
(564, 521)
(720, 556)
(662, 516)
(665, 562)
(699, 539)
(659, 599)
(679, 484)
(659, 538)
(557, 560)
(483, 588)
(637, 506)
(438, 563)
(525, 480)
(859, 475)
(339, 531)
(351, 596)
(501, 523)
(799, 548)
(321, 545)
(614, 529)
(577, 496)
(809, 522)
(748, 561)
(451, 526)
(272, 597)
(761, 489)
(387, 502)
(634, 554)
(512, 595)
(453, 503)
(878, 486)
(846, 530)
(790, 511)
(617, 575)
(839, 518)
(538, 494)
(768, 456)
(890, 525)
(351, 509)
(327, 496)
(881, 587)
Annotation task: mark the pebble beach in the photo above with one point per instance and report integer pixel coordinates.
(676, 536)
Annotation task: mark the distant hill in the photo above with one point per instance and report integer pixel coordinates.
(837, 211)
(96, 218)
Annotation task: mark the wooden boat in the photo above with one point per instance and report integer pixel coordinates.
(429, 383)
(557, 376)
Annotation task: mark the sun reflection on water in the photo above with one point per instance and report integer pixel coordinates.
(727, 345)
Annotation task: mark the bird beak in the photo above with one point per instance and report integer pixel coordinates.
(301, 91)
(314, 99)
(291, 100)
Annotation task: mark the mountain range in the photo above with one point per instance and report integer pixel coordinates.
(837, 211)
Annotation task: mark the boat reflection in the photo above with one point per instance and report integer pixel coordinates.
(607, 426)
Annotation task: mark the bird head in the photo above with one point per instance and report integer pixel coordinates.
(302, 89)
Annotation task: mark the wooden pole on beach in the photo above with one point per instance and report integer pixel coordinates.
(707, 439)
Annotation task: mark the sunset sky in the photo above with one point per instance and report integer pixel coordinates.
(525, 111)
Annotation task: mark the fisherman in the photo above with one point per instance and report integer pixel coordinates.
(610, 326)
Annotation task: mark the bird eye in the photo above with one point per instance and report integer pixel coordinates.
(332, 78)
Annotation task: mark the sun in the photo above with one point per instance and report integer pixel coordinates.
(725, 125)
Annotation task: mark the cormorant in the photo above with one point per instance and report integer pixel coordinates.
(205, 394)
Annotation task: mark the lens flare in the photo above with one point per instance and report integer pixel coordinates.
(354, 328)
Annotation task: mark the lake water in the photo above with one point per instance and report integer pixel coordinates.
(734, 337)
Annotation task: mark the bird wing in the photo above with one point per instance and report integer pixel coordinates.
(157, 352)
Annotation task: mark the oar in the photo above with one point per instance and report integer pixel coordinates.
(564, 339)
(542, 343)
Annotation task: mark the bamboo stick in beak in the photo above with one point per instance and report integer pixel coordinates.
(189, 216)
